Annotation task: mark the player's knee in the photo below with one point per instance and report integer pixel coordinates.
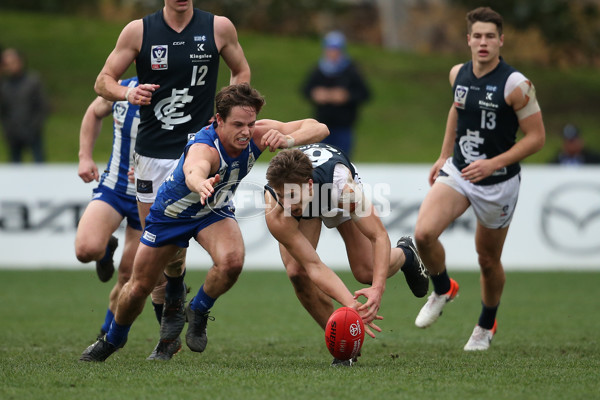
(231, 265)
(424, 238)
(363, 276)
(488, 264)
(86, 253)
(140, 289)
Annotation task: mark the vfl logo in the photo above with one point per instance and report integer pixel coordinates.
(568, 225)
(460, 96)
(167, 110)
(159, 57)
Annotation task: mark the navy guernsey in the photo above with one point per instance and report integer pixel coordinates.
(324, 158)
(487, 126)
(185, 65)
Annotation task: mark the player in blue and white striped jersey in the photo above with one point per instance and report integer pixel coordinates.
(114, 199)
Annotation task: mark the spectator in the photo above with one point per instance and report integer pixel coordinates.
(336, 88)
(23, 108)
(573, 150)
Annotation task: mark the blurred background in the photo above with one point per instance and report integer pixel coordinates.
(404, 48)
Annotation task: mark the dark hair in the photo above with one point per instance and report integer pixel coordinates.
(484, 14)
(238, 95)
(289, 166)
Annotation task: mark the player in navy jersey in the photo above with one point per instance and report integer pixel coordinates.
(113, 199)
(177, 51)
(195, 202)
(479, 167)
(317, 183)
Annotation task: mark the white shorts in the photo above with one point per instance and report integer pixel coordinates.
(341, 176)
(150, 173)
(494, 205)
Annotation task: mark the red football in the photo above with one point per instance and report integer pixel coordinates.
(344, 333)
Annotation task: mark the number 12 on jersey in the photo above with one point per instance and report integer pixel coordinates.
(198, 75)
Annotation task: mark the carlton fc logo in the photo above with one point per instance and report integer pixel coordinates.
(159, 57)
(460, 96)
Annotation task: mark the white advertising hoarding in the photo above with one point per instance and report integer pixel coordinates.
(556, 224)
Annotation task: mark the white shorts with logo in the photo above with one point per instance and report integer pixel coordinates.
(494, 205)
(150, 173)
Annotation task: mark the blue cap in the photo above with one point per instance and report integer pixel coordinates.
(335, 39)
(570, 132)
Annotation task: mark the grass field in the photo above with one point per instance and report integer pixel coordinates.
(263, 345)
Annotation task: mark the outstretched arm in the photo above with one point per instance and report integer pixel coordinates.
(283, 135)
(200, 161)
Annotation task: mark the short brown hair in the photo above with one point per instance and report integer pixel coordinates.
(289, 166)
(484, 14)
(238, 95)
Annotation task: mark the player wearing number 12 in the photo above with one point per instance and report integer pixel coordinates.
(479, 167)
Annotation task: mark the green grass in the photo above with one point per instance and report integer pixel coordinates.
(404, 122)
(263, 345)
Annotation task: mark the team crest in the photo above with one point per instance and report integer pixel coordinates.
(460, 96)
(159, 56)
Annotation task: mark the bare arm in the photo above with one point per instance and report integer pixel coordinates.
(371, 226)
(91, 125)
(281, 135)
(449, 133)
(123, 55)
(227, 42)
(285, 230)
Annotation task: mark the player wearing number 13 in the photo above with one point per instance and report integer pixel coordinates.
(479, 167)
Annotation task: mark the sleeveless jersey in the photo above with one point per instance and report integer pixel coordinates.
(175, 200)
(185, 65)
(126, 118)
(487, 126)
(324, 158)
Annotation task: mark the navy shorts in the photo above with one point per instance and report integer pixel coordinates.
(122, 203)
(162, 231)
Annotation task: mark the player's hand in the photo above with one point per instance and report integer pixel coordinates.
(131, 175)
(369, 309)
(478, 170)
(207, 188)
(141, 95)
(435, 170)
(88, 170)
(274, 140)
(368, 321)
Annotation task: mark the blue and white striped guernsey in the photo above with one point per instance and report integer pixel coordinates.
(175, 200)
(126, 118)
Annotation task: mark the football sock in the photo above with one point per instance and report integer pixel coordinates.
(117, 333)
(174, 285)
(487, 316)
(158, 309)
(202, 302)
(441, 282)
(409, 255)
(108, 319)
(106, 255)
